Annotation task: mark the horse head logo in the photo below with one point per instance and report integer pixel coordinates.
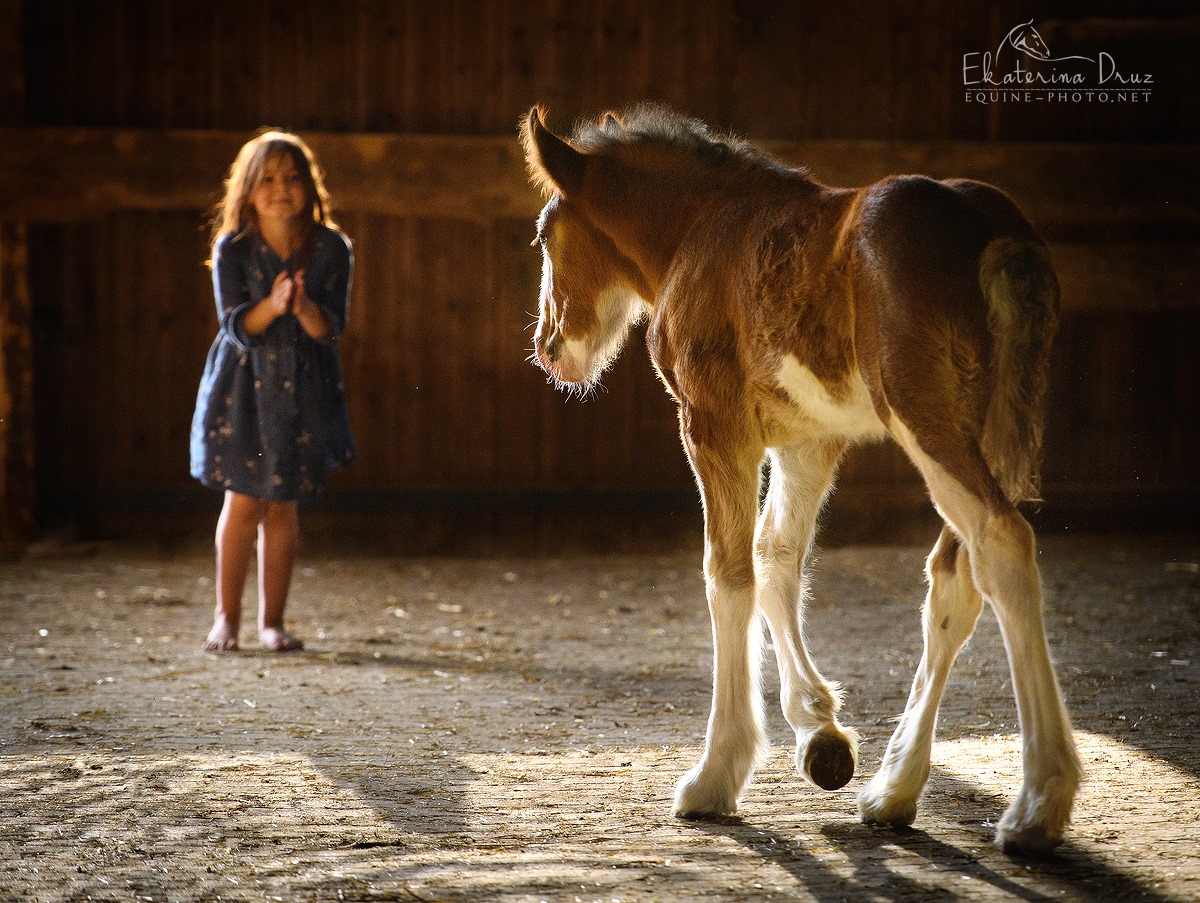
(1026, 39)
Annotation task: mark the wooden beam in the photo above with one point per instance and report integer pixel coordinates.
(17, 488)
(53, 175)
(12, 68)
(480, 179)
(16, 390)
(1074, 192)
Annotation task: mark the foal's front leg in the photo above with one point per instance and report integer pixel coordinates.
(801, 474)
(729, 488)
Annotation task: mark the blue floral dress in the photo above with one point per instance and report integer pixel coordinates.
(270, 415)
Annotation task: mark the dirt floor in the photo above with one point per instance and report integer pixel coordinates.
(511, 728)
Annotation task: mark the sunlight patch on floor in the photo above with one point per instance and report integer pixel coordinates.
(585, 821)
(1128, 796)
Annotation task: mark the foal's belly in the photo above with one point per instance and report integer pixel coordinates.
(843, 411)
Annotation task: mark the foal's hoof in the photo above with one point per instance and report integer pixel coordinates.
(699, 795)
(876, 807)
(1037, 819)
(1033, 843)
(828, 758)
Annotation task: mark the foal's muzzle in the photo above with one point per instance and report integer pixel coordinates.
(550, 350)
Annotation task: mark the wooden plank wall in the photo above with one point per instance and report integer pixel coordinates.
(441, 398)
(767, 68)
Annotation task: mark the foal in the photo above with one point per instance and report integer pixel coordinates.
(789, 320)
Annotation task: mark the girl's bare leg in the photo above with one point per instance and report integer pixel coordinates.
(278, 534)
(236, 528)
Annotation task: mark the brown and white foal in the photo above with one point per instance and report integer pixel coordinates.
(789, 320)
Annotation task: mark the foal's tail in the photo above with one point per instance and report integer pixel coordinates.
(1021, 289)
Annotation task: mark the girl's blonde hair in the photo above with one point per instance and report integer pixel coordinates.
(235, 214)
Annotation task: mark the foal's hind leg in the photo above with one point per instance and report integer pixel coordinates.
(951, 609)
(1002, 553)
(800, 477)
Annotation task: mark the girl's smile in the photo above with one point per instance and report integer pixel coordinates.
(280, 195)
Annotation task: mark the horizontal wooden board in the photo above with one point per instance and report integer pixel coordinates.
(1072, 192)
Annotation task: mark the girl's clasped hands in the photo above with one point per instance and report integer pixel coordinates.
(287, 294)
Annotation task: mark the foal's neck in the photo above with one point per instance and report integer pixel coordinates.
(647, 218)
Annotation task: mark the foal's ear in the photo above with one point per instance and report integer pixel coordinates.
(553, 164)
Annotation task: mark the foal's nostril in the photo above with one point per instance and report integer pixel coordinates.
(554, 348)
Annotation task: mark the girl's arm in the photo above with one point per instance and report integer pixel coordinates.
(322, 312)
(242, 319)
(309, 313)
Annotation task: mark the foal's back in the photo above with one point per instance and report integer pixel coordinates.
(829, 286)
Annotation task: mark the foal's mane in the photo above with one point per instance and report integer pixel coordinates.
(653, 125)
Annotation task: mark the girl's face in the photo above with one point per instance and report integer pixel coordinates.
(280, 196)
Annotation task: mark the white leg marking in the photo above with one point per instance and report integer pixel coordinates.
(951, 610)
(826, 752)
(735, 726)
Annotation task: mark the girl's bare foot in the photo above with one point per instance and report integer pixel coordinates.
(222, 638)
(276, 639)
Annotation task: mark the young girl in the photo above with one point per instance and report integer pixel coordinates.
(271, 412)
